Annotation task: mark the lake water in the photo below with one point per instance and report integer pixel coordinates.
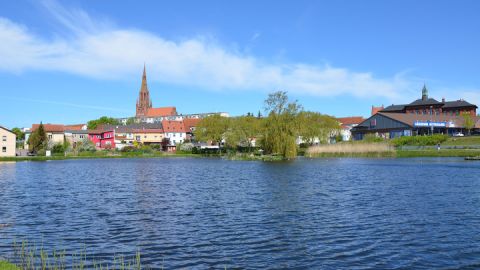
(212, 213)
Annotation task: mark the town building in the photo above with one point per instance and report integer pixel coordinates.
(55, 133)
(174, 131)
(346, 124)
(422, 116)
(8, 141)
(102, 139)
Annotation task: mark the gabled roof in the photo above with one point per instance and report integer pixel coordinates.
(49, 127)
(458, 103)
(75, 127)
(4, 128)
(159, 130)
(190, 123)
(410, 118)
(421, 102)
(394, 108)
(353, 120)
(163, 111)
(173, 126)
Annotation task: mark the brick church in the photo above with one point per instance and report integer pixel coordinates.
(144, 103)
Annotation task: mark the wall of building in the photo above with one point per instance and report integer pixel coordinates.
(7, 143)
(148, 138)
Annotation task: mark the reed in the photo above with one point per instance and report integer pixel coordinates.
(30, 257)
(351, 150)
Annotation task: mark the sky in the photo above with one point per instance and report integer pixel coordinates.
(73, 61)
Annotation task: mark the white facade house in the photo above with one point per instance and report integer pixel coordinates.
(8, 141)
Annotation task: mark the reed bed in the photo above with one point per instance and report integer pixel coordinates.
(30, 257)
(351, 150)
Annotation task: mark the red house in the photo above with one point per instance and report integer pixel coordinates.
(103, 139)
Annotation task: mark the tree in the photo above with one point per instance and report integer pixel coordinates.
(104, 120)
(212, 128)
(313, 125)
(468, 121)
(20, 134)
(281, 126)
(38, 139)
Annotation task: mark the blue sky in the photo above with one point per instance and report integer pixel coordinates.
(72, 61)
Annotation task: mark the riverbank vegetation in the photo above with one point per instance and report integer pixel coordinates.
(352, 150)
(275, 135)
(30, 257)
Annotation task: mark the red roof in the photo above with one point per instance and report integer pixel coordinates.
(189, 123)
(163, 111)
(74, 127)
(350, 120)
(173, 126)
(49, 127)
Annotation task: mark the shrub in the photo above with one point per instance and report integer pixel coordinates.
(58, 148)
(419, 140)
(372, 138)
(186, 147)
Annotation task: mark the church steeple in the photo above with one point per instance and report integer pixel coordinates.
(143, 102)
(424, 93)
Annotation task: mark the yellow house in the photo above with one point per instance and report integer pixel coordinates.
(148, 136)
(8, 141)
(55, 133)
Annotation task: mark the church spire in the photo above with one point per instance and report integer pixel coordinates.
(424, 92)
(144, 102)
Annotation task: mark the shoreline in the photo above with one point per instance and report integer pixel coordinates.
(461, 153)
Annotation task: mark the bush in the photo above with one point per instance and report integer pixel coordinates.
(128, 149)
(372, 138)
(419, 140)
(41, 152)
(186, 147)
(58, 148)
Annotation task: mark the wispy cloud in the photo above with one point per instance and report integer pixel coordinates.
(99, 49)
(65, 104)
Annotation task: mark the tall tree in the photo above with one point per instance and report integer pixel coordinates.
(281, 126)
(38, 139)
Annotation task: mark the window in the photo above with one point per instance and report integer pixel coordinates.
(50, 136)
(4, 138)
(4, 149)
(81, 136)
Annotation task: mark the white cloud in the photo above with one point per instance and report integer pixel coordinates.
(101, 50)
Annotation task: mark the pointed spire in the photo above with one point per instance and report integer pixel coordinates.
(424, 92)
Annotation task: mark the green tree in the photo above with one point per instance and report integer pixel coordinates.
(38, 139)
(468, 122)
(281, 127)
(313, 125)
(104, 120)
(212, 128)
(20, 134)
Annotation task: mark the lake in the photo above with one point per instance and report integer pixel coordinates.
(199, 213)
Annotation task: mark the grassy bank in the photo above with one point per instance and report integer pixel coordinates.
(95, 155)
(440, 153)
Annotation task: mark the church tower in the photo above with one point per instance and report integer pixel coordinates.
(143, 102)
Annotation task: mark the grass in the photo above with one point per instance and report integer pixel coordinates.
(441, 153)
(29, 257)
(463, 141)
(4, 265)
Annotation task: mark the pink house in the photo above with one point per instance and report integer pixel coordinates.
(103, 139)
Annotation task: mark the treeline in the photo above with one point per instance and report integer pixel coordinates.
(275, 134)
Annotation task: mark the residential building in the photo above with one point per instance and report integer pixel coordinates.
(174, 131)
(55, 133)
(103, 139)
(8, 141)
(346, 124)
